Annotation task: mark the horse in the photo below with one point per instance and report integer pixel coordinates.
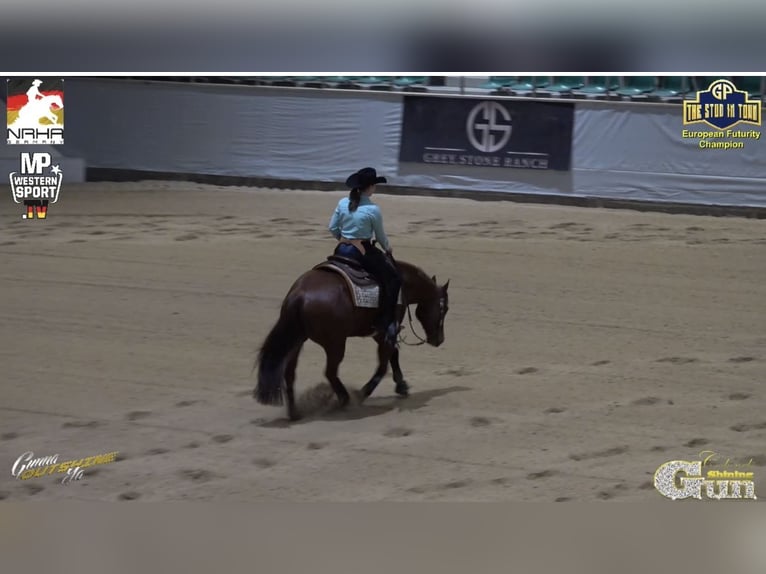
(319, 307)
(31, 112)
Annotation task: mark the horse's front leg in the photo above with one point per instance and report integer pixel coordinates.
(402, 388)
(384, 356)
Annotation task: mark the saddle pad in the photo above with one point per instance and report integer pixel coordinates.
(364, 288)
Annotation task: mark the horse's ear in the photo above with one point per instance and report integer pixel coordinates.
(446, 285)
(434, 278)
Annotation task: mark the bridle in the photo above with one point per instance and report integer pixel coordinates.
(421, 340)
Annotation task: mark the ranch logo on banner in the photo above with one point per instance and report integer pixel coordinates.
(36, 184)
(35, 111)
(722, 107)
(474, 133)
(709, 476)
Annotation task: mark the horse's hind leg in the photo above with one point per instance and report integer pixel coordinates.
(290, 368)
(335, 352)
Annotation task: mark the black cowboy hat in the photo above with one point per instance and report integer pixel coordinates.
(364, 178)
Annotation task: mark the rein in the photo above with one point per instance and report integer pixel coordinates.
(409, 318)
(401, 337)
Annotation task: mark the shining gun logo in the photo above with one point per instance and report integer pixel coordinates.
(681, 479)
(722, 106)
(35, 112)
(33, 186)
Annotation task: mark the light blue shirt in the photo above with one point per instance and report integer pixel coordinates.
(362, 223)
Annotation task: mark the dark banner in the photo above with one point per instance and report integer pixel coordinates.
(487, 133)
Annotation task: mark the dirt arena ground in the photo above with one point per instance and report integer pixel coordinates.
(584, 349)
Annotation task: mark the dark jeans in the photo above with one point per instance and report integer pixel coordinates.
(376, 263)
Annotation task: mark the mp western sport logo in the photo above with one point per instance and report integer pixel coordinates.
(37, 184)
(35, 111)
(722, 106)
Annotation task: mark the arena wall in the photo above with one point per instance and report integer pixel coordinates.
(620, 151)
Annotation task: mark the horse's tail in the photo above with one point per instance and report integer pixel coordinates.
(281, 340)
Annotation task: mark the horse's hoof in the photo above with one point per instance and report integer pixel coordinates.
(343, 402)
(294, 416)
(402, 389)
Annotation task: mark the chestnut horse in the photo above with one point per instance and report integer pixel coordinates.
(319, 307)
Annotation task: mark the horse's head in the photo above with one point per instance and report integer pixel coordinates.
(431, 311)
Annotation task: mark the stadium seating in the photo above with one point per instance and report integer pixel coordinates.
(636, 87)
(499, 82)
(670, 89)
(561, 86)
(753, 85)
(597, 87)
(666, 89)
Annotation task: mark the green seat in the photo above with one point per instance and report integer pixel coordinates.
(600, 84)
(529, 83)
(671, 87)
(498, 82)
(564, 84)
(367, 80)
(406, 81)
(637, 86)
(597, 87)
(753, 85)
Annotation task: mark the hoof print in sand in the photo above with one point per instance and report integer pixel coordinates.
(741, 359)
(614, 451)
(562, 499)
(222, 438)
(678, 360)
(554, 410)
(197, 475)
(33, 488)
(190, 403)
(315, 445)
(739, 396)
(480, 422)
(264, 463)
(193, 444)
(600, 363)
(186, 237)
(455, 372)
(156, 451)
(455, 484)
(527, 371)
(129, 496)
(695, 442)
(646, 401)
(81, 424)
(744, 427)
(136, 415)
(541, 474)
(397, 432)
(9, 436)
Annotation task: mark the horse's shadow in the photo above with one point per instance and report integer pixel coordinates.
(321, 404)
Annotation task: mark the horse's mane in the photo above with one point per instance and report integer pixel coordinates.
(414, 270)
